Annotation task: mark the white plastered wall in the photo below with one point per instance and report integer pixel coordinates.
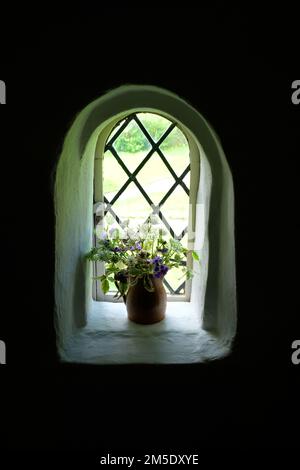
(74, 227)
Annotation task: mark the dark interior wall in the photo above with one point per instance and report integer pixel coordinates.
(235, 75)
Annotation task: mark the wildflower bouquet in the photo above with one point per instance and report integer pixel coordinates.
(144, 253)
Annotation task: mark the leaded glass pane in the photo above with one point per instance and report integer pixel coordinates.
(139, 177)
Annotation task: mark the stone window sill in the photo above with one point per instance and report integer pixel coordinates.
(110, 338)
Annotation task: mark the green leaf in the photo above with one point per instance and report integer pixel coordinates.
(123, 288)
(133, 281)
(105, 285)
(189, 275)
(195, 256)
(148, 284)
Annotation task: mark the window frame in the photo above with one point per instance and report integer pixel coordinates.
(194, 154)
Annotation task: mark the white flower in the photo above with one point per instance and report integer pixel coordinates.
(100, 233)
(144, 229)
(163, 231)
(125, 223)
(115, 231)
(131, 234)
(154, 219)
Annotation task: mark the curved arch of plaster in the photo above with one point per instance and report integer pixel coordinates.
(74, 196)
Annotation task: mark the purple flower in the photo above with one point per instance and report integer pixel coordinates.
(160, 270)
(164, 269)
(162, 250)
(132, 248)
(103, 236)
(138, 246)
(117, 249)
(157, 259)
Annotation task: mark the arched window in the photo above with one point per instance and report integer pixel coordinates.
(145, 171)
(203, 325)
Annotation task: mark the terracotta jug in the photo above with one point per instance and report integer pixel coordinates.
(146, 307)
